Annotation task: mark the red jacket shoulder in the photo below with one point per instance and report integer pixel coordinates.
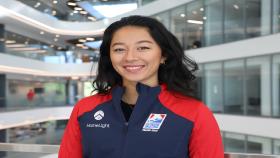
(184, 106)
(89, 103)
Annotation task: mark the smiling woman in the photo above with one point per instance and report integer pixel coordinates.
(136, 56)
(144, 95)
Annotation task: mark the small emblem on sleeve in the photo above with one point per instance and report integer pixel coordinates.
(99, 115)
(154, 122)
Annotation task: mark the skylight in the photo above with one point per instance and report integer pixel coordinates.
(115, 10)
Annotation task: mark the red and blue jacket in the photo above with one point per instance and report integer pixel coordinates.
(162, 125)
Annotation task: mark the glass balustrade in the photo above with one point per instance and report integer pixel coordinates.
(10, 150)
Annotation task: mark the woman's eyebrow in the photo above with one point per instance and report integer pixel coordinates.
(144, 41)
(138, 42)
(117, 43)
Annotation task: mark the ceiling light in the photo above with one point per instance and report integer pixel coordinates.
(71, 3)
(202, 9)
(90, 39)
(10, 41)
(53, 12)
(78, 8)
(33, 51)
(182, 15)
(42, 32)
(79, 45)
(24, 49)
(114, 10)
(194, 12)
(56, 36)
(55, 39)
(46, 10)
(195, 22)
(75, 11)
(84, 47)
(204, 18)
(82, 40)
(71, 14)
(37, 5)
(15, 45)
(83, 12)
(54, 2)
(236, 6)
(92, 18)
(36, 51)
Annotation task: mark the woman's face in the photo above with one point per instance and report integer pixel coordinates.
(135, 55)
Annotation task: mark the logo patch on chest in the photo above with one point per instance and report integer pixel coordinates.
(154, 122)
(99, 115)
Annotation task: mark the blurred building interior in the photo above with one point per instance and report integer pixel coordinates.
(49, 51)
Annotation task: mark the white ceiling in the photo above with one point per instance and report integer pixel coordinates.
(25, 20)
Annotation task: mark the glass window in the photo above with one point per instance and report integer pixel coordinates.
(257, 18)
(178, 23)
(198, 84)
(144, 2)
(164, 18)
(276, 85)
(213, 22)
(276, 147)
(195, 11)
(3, 136)
(234, 142)
(276, 16)
(54, 93)
(213, 86)
(233, 86)
(259, 145)
(234, 20)
(258, 86)
(45, 93)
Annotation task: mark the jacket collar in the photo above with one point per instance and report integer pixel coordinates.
(147, 95)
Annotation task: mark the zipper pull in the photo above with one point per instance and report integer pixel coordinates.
(125, 127)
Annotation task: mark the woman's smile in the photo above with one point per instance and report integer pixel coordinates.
(133, 68)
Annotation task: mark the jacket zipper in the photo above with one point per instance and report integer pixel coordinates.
(125, 139)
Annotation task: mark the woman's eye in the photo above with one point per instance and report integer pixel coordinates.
(119, 50)
(143, 48)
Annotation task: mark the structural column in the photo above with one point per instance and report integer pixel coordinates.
(2, 76)
(71, 92)
(2, 105)
(2, 38)
(2, 90)
(3, 133)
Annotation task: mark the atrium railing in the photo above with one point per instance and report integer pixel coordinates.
(52, 150)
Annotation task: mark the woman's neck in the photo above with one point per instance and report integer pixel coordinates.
(130, 95)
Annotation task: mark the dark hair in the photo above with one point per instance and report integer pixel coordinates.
(177, 72)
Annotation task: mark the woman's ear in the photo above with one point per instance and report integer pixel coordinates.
(162, 60)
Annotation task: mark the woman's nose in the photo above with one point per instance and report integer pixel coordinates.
(130, 55)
